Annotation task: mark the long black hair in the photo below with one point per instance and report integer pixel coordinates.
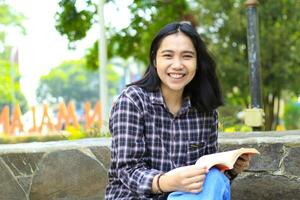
(204, 89)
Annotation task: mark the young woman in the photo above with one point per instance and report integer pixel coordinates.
(163, 123)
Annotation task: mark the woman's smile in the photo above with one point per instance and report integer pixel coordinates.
(176, 75)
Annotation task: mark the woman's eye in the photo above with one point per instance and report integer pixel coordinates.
(188, 56)
(167, 55)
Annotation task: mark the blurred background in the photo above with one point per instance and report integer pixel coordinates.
(49, 54)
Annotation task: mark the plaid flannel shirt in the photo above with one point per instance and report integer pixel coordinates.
(147, 140)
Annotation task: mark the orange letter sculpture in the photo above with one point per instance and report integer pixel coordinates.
(4, 118)
(89, 120)
(48, 123)
(66, 115)
(34, 128)
(16, 121)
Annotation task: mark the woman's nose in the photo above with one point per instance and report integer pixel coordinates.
(177, 64)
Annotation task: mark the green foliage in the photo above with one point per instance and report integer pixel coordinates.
(6, 87)
(228, 115)
(75, 134)
(72, 22)
(71, 81)
(292, 115)
(135, 39)
(223, 25)
(225, 30)
(92, 61)
(26, 139)
(9, 18)
(229, 121)
(93, 132)
(228, 43)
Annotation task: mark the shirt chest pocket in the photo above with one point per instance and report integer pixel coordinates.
(195, 150)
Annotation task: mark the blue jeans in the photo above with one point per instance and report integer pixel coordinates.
(216, 187)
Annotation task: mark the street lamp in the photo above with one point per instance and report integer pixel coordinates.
(254, 116)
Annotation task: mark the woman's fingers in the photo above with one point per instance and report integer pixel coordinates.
(192, 180)
(194, 183)
(192, 171)
(187, 178)
(242, 163)
(188, 172)
(245, 157)
(195, 187)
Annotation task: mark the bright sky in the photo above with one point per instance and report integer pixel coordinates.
(43, 48)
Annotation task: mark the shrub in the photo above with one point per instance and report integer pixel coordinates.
(292, 115)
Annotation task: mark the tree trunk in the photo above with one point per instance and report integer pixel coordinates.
(269, 101)
(277, 121)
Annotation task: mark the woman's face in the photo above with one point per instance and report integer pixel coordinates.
(176, 62)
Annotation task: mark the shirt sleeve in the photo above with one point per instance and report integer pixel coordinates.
(129, 147)
(212, 145)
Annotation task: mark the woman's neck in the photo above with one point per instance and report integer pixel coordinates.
(173, 99)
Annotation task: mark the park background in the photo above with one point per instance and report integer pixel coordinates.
(130, 26)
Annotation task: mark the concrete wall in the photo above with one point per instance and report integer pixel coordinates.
(76, 170)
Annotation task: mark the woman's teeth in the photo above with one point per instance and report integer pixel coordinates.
(176, 75)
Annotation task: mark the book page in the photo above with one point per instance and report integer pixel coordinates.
(224, 160)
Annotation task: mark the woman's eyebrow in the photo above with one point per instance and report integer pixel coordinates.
(171, 51)
(190, 52)
(167, 51)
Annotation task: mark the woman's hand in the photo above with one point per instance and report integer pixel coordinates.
(187, 179)
(242, 163)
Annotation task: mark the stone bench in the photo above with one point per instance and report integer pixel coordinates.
(77, 170)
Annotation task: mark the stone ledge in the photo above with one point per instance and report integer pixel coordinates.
(287, 137)
(37, 147)
(59, 170)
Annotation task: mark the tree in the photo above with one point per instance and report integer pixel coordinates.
(73, 22)
(9, 19)
(132, 41)
(226, 30)
(6, 87)
(223, 26)
(71, 81)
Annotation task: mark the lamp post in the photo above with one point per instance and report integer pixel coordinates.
(102, 58)
(254, 116)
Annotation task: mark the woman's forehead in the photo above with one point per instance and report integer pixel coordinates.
(176, 42)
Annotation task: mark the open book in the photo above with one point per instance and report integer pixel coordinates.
(224, 160)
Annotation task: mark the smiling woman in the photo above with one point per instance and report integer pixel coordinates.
(176, 67)
(163, 123)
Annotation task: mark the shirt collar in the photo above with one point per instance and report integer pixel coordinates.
(157, 98)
